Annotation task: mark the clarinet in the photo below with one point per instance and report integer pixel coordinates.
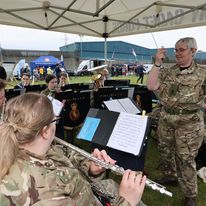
(119, 170)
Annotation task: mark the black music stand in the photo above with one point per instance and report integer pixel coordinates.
(143, 97)
(75, 110)
(35, 88)
(10, 93)
(76, 87)
(106, 93)
(118, 82)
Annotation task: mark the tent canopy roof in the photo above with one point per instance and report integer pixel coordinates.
(44, 61)
(103, 18)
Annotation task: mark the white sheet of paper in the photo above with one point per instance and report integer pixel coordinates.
(129, 106)
(128, 133)
(122, 105)
(57, 105)
(114, 105)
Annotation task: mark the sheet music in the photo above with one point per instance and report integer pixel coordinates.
(129, 106)
(114, 105)
(128, 133)
(57, 105)
(122, 105)
(131, 92)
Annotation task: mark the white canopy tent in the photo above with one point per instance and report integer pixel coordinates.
(103, 18)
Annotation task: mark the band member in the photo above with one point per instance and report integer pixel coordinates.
(25, 81)
(52, 86)
(63, 79)
(35, 173)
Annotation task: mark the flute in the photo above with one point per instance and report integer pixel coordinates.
(3, 111)
(119, 170)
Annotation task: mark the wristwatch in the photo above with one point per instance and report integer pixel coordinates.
(158, 65)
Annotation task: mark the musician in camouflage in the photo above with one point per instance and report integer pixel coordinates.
(35, 173)
(181, 91)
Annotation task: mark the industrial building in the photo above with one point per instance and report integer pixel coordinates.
(73, 54)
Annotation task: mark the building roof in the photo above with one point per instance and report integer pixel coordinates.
(117, 50)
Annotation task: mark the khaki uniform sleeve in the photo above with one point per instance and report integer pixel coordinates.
(76, 159)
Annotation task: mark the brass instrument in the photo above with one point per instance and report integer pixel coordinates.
(119, 170)
(96, 77)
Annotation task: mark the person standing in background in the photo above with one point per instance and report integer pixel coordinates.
(181, 91)
(140, 73)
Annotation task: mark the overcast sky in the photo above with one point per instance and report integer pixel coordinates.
(31, 39)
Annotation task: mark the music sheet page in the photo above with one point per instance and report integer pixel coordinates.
(129, 106)
(114, 105)
(128, 133)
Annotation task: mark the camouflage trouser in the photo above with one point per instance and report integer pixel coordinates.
(180, 137)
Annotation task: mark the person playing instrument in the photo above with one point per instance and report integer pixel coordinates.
(52, 86)
(25, 81)
(34, 172)
(63, 79)
(181, 91)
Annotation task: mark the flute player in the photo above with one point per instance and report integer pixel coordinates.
(35, 173)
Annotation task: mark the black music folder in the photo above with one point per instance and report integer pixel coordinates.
(76, 106)
(121, 131)
(122, 105)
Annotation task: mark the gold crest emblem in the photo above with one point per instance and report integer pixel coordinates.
(74, 113)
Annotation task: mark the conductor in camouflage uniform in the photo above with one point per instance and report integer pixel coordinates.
(34, 173)
(181, 91)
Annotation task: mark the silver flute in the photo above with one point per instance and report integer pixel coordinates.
(2, 112)
(119, 170)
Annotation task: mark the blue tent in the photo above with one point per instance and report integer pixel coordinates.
(44, 61)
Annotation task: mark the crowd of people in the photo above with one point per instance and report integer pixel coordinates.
(34, 171)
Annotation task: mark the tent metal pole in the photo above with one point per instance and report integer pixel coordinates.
(105, 50)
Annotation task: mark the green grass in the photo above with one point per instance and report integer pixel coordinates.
(85, 79)
(150, 197)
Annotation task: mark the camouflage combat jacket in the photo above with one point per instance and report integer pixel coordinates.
(48, 92)
(182, 89)
(54, 180)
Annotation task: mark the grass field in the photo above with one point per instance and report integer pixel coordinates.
(150, 197)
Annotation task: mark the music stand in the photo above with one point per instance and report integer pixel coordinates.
(106, 93)
(76, 87)
(75, 110)
(143, 97)
(10, 93)
(35, 88)
(121, 82)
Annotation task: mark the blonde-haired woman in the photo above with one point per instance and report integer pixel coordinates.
(35, 173)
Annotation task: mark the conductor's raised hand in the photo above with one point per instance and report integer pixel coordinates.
(96, 169)
(132, 186)
(160, 56)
